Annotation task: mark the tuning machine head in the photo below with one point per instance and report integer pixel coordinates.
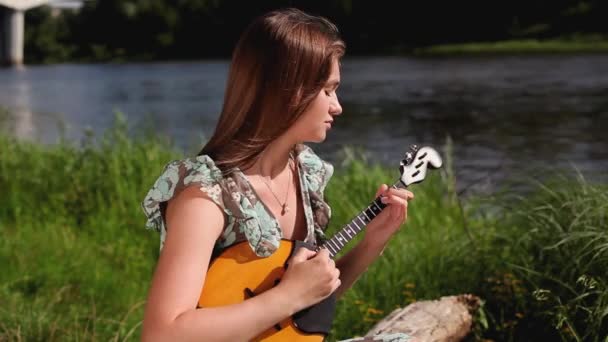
(409, 155)
(416, 162)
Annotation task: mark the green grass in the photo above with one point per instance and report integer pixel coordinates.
(77, 261)
(537, 261)
(591, 44)
(76, 258)
(433, 245)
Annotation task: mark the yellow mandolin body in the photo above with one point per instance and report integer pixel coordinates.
(237, 269)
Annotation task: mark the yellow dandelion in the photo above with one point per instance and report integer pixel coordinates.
(408, 293)
(374, 311)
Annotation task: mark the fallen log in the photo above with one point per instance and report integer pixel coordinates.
(447, 319)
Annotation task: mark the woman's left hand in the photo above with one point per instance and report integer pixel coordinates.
(381, 228)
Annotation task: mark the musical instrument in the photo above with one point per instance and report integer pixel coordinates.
(238, 273)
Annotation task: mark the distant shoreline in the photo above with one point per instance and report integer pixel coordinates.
(522, 46)
(577, 44)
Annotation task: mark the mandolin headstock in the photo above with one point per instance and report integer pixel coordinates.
(416, 162)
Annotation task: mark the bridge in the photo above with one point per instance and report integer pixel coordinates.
(12, 26)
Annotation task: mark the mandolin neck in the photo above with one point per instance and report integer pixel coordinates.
(356, 225)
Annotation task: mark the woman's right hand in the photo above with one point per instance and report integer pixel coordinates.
(310, 277)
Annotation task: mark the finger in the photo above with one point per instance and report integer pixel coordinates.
(406, 194)
(382, 189)
(303, 254)
(398, 208)
(323, 254)
(394, 199)
(336, 284)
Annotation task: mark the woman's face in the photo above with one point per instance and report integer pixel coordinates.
(317, 119)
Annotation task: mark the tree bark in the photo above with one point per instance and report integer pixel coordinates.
(447, 319)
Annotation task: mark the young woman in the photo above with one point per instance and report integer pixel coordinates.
(255, 181)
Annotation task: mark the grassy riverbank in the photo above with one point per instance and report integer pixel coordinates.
(77, 260)
(588, 44)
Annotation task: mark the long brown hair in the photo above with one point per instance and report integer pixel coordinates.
(279, 65)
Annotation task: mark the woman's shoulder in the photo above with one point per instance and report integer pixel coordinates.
(199, 172)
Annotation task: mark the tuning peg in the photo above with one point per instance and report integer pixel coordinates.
(407, 159)
(409, 155)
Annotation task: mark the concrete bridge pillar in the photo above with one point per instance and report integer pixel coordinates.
(11, 47)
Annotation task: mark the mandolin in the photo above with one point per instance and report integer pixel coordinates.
(257, 274)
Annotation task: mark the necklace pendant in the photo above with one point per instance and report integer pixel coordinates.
(285, 209)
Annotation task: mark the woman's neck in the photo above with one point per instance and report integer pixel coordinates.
(273, 161)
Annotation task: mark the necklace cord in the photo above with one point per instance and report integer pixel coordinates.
(284, 207)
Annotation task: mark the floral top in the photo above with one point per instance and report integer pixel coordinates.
(247, 218)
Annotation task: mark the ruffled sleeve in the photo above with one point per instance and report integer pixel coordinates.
(200, 171)
(317, 171)
(317, 174)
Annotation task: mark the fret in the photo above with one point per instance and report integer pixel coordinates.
(368, 219)
(348, 232)
(371, 213)
(343, 238)
(356, 225)
(353, 230)
(329, 248)
(375, 210)
(362, 221)
(336, 246)
(331, 254)
(378, 202)
(338, 241)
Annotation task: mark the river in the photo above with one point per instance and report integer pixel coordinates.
(510, 118)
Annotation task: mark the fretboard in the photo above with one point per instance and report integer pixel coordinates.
(354, 227)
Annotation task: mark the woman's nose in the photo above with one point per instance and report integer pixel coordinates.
(335, 108)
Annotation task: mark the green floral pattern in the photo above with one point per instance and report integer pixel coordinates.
(247, 217)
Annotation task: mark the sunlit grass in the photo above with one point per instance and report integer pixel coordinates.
(77, 261)
(521, 46)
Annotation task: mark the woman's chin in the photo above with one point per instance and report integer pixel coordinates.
(318, 137)
(321, 138)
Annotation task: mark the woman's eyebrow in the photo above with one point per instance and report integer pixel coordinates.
(333, 83)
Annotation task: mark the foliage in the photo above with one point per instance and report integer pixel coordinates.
(77, 261)
(575, 44)
(559, 239)
(119, 30)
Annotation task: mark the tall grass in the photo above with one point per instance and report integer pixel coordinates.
(77, 261)
(558, 241)
(430, 247)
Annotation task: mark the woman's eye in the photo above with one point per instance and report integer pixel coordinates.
(327, 92)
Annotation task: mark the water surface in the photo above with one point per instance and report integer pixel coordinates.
(509, 117)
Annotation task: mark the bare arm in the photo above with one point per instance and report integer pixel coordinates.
(377, 236)
(355, 262)
(194, 223)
